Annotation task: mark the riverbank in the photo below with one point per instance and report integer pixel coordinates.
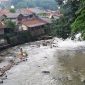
(34, 50)
(49, 64)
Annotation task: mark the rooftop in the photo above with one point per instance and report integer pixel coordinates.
(33, 22)
(6, 12)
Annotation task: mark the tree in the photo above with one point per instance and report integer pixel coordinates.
(79, 23)
(46, 4)
(62, 27)
(10, 24)
(12, 10)
(59, 2)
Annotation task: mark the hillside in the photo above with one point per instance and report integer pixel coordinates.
(46, 4)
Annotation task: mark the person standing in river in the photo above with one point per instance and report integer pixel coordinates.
(22, 54)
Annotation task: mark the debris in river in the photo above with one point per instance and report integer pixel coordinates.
(7, 67)
(69, 78)
(2, 73)
(1, 58)
(82, 79)
(3, 77)
(44, 44)
(55, 78)
(38, 66)
(46, 72)
(1, 81)
(45, 57)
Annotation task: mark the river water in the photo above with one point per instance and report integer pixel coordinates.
(63, 64)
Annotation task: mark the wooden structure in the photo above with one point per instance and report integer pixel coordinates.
(3, 41)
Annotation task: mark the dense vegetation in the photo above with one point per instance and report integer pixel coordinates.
(79, 23)
(72, 21)
(46, 4)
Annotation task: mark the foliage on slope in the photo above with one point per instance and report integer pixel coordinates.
(62, 27)
(79, 24)
(46, 4)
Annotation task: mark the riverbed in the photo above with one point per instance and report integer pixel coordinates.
(62, 63)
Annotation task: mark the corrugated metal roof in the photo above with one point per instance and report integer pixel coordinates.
(24, 11)
(34, 22)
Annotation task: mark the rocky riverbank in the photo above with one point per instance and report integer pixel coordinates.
(50, 62)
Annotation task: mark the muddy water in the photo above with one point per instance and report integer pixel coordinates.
(48, 66)
(73, 64)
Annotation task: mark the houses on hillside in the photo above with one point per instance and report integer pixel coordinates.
(25, 20)
(28, 25)
(53, 14)
(22, 16)
(35, 26)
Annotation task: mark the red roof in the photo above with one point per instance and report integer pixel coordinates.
(18, 11)
(4, 11)
(24, 11)
(33, 22)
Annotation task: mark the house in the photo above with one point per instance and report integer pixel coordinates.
(26, 20)
(54, 14)
(13, 16)
(34, 25)
(37, 10)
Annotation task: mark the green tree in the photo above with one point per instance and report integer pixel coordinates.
(12, 10)
(62, 27)
(10, 24)
(79, 23)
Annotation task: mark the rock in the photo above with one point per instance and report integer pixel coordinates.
(17, 61)
(38, 66)
(46, 72)
(59, 79)
(84, 81)
(1, 73)
(1, 81)
(44, 44)
(45, 57)
(55, 78)
(69, 77)
(7, 67)
(3, 77)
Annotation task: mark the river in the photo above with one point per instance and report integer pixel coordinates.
(62, 64)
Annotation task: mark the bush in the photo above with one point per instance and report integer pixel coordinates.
(23, 36)
(12, 10)
(59, 28)
(10, 24)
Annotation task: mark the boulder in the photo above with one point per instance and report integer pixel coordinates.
(1, 81)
